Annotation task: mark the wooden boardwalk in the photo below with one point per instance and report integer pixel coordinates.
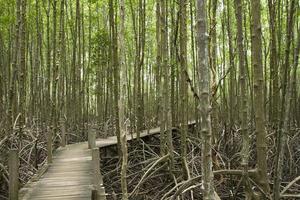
(68, 177)
(71, 174)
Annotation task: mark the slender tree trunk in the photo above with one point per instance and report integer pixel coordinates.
(167, 121)
(213, 67)
(285, 104)
(183, 87)
(23, 64)
(140, 63)
(54, 69)
(232, 71)
(48, 60)
(114, 64)
(2, 95)
(295, 115)
(63, 62)
(256, 57)
(243, 96)
(159, 114)
(122, 100)
(204, 91)
(12, 92)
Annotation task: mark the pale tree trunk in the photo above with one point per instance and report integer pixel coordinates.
(194, 66)
(285, 105)
(159, 114)
(1, 76)
(114, 65)
(294, 104)
(273, 88)
(174, 25)
(62, 62)
(140, 63)
(78, 64)
(183, 87)
(12, 92)
(23, 64)
(243, 96)
(122, 101)
(54, 68)
(256, 57)
(48, 61)
(205, 107)
(165, 86)
(83, 69)
(232, 71)
(213, 66)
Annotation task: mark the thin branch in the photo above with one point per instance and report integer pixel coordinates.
(289, 185)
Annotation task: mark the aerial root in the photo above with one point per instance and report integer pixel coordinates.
(160, 160)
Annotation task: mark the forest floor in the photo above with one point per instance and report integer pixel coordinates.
(149, 175)
(159, 182)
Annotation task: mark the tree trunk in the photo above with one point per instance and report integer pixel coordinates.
(256, 57)
(183, 88)
(22, 109)
(122, 100)
(285, 105)
(243, 96)
(204, 109)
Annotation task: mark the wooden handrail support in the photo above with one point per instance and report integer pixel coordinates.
(63, 133)
(91, 139)
(98, 193)
(13, 174)
(49, 146)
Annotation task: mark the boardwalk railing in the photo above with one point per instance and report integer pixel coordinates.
(98, 192)
(13, 164)
(91, 138)
(63, 133)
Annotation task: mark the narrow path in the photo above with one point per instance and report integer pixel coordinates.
(69, 177)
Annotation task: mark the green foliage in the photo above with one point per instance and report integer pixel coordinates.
(100, 47)
(7, 17)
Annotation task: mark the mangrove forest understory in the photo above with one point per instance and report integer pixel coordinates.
(218, 79)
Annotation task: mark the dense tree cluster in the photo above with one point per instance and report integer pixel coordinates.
(124, 66)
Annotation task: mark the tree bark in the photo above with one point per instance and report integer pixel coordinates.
(285, 105)
(183, 87)
(122, 100)
(256, 57)
(204, 109)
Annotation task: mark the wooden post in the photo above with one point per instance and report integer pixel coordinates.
(99, 192)
(63, 133)
(94, 195)
(91, 139)
(36, 159)
(13, 164)
(49, 146)
(96, 167)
